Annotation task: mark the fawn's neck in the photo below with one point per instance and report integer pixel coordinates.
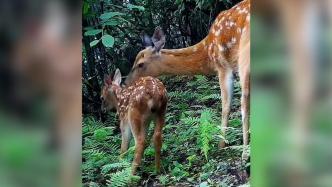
(120, 98)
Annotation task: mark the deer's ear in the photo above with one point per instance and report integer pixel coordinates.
(117, 77)
(146, 40)
(158, 39)
(107, 79)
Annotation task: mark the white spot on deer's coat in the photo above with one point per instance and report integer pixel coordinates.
(229, 45)
(221, 48)
(248, 18)
(195, 49)
(233, 40)
(227, 23)
(210, 47)
(218, 32)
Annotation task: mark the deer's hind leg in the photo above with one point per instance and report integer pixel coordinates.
(226, 87)
(244, 73)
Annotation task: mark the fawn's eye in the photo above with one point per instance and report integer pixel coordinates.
(102, 98)
(140, 65)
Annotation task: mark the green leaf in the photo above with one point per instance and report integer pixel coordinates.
(92, 32)
(131, 7)
(109, 15)
(178, 2)
(203, 184)
(94, 42)
(108, 40)
(111, 23)
(86, 8)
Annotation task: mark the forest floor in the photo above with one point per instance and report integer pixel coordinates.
(190, 152)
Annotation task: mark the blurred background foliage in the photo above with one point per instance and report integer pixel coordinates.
(112, 29)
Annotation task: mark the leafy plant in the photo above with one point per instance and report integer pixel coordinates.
(207, 130)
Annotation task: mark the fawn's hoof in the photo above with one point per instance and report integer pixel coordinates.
(222, 144)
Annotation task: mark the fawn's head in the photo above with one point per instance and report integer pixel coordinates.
(148, 60)
(108, 93)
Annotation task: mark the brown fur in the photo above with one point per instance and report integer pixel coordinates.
(226, 49)
(137, 104)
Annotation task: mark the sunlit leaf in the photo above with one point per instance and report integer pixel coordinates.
(92, 32)
(131, 7)
(107, 40)
(109, 15)
(94, 42)
(111, 23)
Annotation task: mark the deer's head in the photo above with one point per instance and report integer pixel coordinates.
(147, 61)
(108, 93)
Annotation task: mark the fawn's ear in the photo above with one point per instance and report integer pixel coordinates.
(146, 40)
(158, 39)
(107, 79)
(117, 77)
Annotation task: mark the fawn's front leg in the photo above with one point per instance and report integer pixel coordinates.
(125, 136)
(138, 130)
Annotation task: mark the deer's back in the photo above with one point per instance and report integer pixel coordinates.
(226, 33)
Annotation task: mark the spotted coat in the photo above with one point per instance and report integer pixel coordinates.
(138, 94)
(225, 33)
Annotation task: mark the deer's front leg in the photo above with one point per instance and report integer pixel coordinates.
(125, 136)
(226, 87)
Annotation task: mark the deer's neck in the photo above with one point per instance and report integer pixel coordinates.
(186, 61)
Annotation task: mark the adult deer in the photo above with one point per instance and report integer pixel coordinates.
(226, 49)
(137, 105)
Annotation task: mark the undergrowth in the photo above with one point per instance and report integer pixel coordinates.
(190, 153)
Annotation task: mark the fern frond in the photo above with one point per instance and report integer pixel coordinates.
(108, 167)
(123, 178)
(209, 97)
(206, 130)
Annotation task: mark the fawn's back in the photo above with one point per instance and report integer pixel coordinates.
(146, 96)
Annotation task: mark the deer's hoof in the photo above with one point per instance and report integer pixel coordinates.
(245, 156)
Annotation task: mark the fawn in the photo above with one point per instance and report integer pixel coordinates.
(137, 104)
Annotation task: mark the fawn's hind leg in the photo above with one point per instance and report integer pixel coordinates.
(125, 136)
(157, 139)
